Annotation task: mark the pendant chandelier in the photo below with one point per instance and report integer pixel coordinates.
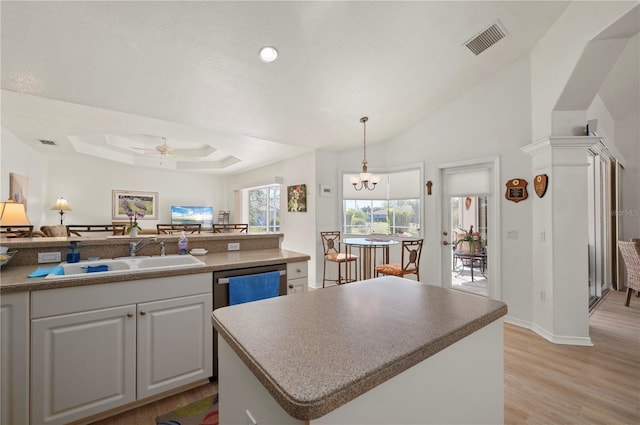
(365, 180)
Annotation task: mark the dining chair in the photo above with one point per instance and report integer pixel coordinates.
(16, 231)
(332, 254)
(410, 261)
(631, 256)
(168, 229)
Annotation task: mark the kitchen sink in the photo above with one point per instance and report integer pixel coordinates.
(124, 265)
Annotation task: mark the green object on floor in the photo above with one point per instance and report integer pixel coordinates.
(201, 412)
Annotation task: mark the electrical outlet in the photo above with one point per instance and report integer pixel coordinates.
(542, 295)
(235, 246)
(512, 234)
(543, 236)
(49, 257)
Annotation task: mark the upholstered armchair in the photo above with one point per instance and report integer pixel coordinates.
(57, 230)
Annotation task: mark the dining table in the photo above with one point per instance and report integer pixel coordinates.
(370, 250)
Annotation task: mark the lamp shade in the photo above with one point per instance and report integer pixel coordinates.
(13, 214)
(61, 205)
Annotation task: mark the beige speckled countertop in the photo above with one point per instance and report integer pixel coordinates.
(324, 348)
(14, 278)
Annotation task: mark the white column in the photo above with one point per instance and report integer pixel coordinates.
(560, 239)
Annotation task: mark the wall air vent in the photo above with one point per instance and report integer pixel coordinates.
(48, 142)
(486, 38)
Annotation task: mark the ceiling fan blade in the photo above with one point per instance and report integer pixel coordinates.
(202, 151)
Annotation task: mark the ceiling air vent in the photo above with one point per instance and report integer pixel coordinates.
(48, 142)
(486, 38)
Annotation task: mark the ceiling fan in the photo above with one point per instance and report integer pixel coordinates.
(165, 149)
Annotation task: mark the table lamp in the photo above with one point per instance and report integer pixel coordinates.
(13, 214)
(61, 205)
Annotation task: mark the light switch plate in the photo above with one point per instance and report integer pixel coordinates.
(233, 246)
(49, 257)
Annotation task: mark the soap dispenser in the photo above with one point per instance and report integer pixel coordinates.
(73, 256)
(183, 244)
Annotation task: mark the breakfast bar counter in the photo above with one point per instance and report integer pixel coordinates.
(385, 350)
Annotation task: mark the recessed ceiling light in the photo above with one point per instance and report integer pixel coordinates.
(268, 54)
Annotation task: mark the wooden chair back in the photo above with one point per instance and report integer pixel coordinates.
(231, 228)
(168, 229)
(81, 229)
(16, 231)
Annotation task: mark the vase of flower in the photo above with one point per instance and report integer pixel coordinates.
(134, 227)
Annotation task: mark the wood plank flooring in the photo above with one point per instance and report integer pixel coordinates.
(548, 383)
(545, 383)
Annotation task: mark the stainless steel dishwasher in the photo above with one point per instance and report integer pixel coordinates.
(221, 293)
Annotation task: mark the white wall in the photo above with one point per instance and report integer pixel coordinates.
(491, 119)
(87, 186)
(627, 140)
(17, 157)
(555, 56)
(298, 227)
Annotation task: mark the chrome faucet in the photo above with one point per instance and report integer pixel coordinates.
(135, 247)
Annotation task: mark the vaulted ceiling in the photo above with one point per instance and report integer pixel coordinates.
(86, 74)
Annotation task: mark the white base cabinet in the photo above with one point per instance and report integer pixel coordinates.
(94, 348)
(297, 277)
(14, 358)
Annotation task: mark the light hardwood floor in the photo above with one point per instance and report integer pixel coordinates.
(545, 383)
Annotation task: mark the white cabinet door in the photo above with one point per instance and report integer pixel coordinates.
(174, 343)
(297, 277)
(82, 364)
(297, 286)
(14, 358)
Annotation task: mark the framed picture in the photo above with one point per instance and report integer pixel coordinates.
(127, 201)
(297, 198)
(19, 188)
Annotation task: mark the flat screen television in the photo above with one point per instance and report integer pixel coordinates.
(184, 214)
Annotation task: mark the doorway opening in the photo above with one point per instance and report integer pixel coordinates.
(469, 230)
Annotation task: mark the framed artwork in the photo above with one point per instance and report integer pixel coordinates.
(297, 198)
(19, 188)
(127, 201)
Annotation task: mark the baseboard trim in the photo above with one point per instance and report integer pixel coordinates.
(549, 336)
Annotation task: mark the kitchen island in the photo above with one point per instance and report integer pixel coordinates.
(385, 350)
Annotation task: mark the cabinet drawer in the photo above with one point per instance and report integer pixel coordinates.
(297, 270)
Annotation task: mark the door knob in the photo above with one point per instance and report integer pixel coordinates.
(142, 313)
(445, 233)
(129, 314)
(445, 243)
(290, 286)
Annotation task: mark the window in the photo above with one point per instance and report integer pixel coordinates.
(392, 208)
(264, 209)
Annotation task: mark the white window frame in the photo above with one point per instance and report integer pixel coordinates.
(408, 167)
